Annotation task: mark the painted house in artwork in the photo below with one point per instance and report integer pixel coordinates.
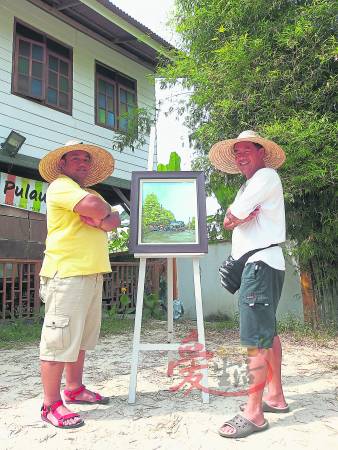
(68, 70)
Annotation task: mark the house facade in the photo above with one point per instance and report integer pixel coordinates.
(69, 70)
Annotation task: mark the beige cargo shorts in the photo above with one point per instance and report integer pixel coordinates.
(72, 316)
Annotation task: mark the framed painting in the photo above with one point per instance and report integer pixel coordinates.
(168, 213)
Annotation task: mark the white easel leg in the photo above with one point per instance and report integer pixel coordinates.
(137, 331)
(170, 307)
(200, 325)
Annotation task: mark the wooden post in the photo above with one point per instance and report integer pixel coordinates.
(309, 304)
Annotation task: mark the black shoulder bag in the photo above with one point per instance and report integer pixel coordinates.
(231, 270)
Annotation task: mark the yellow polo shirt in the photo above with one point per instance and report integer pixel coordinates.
(72, 247)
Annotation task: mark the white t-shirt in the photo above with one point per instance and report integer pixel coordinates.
(263, 189)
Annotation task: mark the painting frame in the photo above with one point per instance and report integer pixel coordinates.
(195, 181)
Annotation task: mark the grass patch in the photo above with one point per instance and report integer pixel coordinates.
(219, 324)
(115, 325)
(321, 333)
(288, 324)
(22, 332)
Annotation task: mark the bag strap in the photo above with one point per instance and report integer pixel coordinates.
(247, 255)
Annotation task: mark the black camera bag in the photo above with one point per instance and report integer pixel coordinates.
(231, 270)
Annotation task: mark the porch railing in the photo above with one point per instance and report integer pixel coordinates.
(19, 288)
(123, 280)
(19, 285)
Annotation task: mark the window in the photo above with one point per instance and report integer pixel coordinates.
(115, 95)
(106, 111)
(42, 69)
(127, 104)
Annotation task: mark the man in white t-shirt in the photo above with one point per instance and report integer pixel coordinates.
(257, 219)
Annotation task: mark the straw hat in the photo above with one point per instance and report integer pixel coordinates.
(102, 162)
(222, 154)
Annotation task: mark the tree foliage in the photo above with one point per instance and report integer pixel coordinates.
(154, 213)
(173, 165)
(118, 240)
(138, 122)
(191, 225)
(269, 65)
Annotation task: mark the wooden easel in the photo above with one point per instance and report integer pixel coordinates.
(170, 346)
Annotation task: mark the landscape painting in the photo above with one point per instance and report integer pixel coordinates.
(168, 213)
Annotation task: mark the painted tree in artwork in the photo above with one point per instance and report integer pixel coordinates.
(154, 213)
(192, 224)
(150, 210)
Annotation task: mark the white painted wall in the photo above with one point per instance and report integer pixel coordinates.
(46, 128)
(219, 302)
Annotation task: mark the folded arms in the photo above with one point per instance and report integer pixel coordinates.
(96, 212)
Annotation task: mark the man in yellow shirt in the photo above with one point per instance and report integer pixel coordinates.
(76, 257)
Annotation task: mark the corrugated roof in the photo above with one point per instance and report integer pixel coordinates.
(115, 9)
(121, 38)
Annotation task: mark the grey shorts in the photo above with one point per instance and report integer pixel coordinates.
(259, 295)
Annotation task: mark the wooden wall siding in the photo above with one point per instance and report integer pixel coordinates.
(22, 233)
(46, 128)
(19, 289)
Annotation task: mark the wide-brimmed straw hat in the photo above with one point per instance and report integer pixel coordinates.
(222, 154)
(101, 167)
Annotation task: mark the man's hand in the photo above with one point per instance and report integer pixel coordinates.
(231, 221)
(111, 222)
(90, 221)
(252, 215)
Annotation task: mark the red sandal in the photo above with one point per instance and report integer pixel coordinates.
(45, 410)
(99, 399)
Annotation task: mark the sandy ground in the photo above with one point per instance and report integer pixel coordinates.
(162, 419)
